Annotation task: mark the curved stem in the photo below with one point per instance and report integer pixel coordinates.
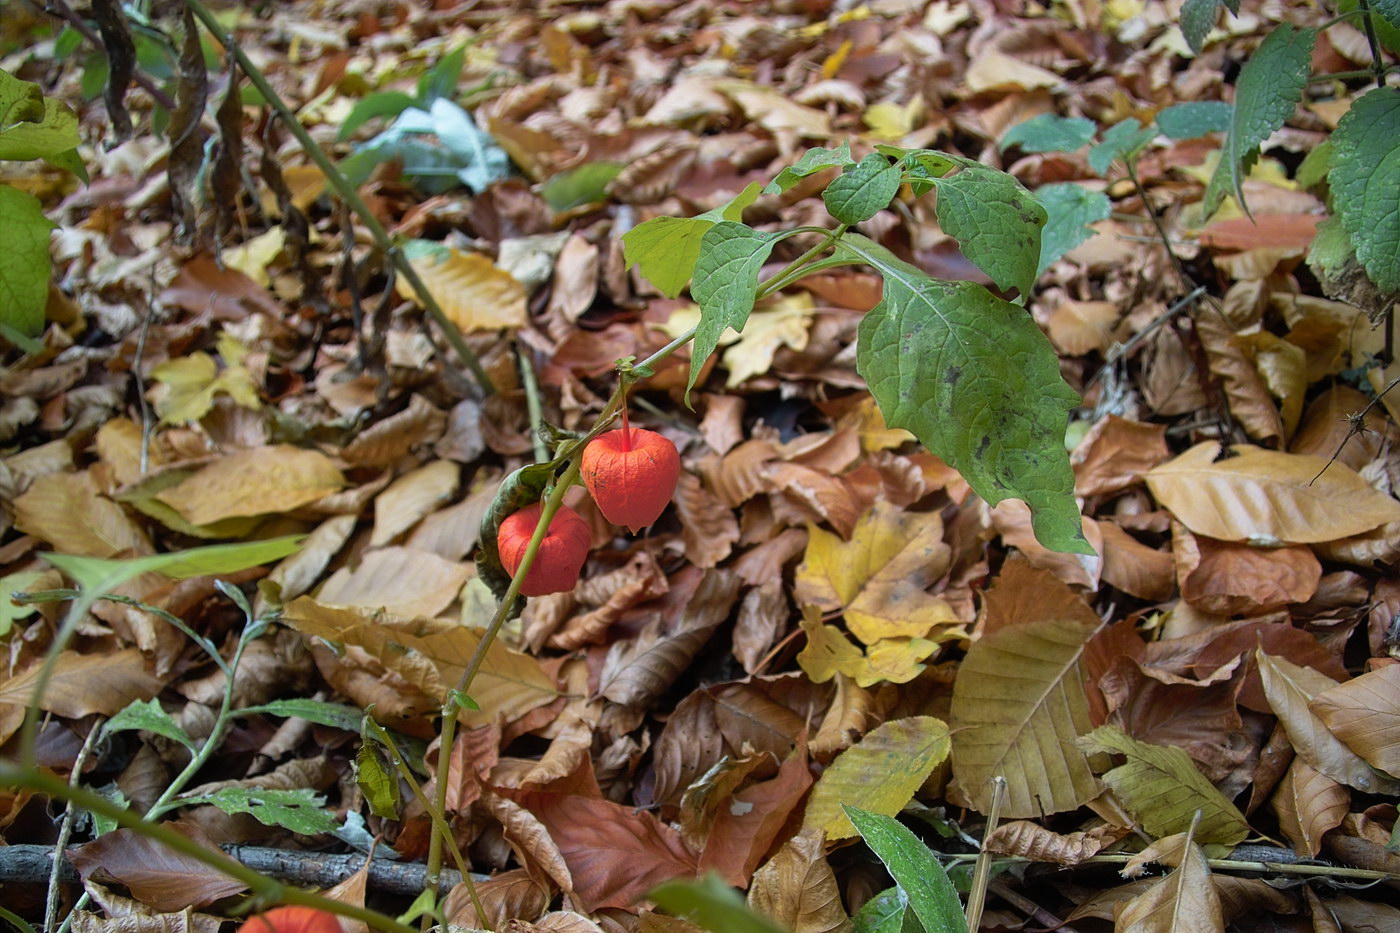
(1369, 25)
(266, 888)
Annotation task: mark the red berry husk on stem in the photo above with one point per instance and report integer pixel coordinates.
(293, 919)
(561, 555)
(631, 473)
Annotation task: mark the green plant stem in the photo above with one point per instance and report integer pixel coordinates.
(52, 596)
(1368, 24)
(439, 823)
(347, 192)
(1341, 18)
(265, 888)
(1180, 270)
(792, 271)
(66, 828)
(532, 402)
(1350, 75)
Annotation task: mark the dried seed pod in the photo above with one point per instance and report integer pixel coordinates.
(562, 551)
(631, 473)
(293, 919)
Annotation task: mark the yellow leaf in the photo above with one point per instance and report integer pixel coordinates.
(256, 481)
(66, 510)
(829, 652)
(432, 655)
(188, 384)
(398, 580)
(473, 292)
(1018, 705)
(868, 421)
(254, 256)
(879, 773)
(879, 577)
(771, 109)
(785, 323)
(1267, 497)
(891, 122)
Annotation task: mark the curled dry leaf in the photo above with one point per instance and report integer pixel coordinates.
(708, 527)
(797, 888)
(296, 574)
(1135, 568)
(1268, 497)
(1035, 842)
(1229, 578)
(1116, 454)
(383, 443)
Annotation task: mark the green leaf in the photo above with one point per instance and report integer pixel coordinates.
(1365, 182)
(1195, 119)
(812, 161)
(666, 248)
(1070, 209)
(1197, 20)
(1049, 132)
(441, 79)
(11, 611)
(1390, 9)
(301, 811)
(150, 716)
(1123, 140)
(726, 276)
(24, 261)
(1315, 165)
(914, 868)
(335, 715)
(103, 575)
(586, 184)
(380, 104)
(1269, 87)
(979, 385)
(1387, 25)
(712, 904)
(863, 191)
(33, 126)
(886, 912)
(378, 782)
(995, 220)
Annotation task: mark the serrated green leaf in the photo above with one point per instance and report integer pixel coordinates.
(886, 912)
(1390, 9)
(1269, 87)
(1197, 20)
(812, 161)
(712, 904)
(150, 716)
(978, 383)
(1049, 132)
(104, 575)
(33, 126)
(335, 715)
(301, 811)
(726, 276)
(1123, 140)
(1365, 182)
(1387, 25)
(995, 220)
(1195, 119)
(24, 261)
(1162, 788)
(863, 191)
(1070, 208)
(914, 868)
(377, 781)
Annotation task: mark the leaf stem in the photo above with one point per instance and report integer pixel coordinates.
(1368, 24)
(266, 888)
(347, 192)
(791, 272)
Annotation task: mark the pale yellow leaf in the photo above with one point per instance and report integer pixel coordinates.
(1365, 714)
(83, 684)
(398, 580)
(1018, 705)
(256, 481)
(1289, 689)
(66, 510)
(879, 773)
(771, 109)
(1267, 496)
(411, 497)
(474, 293)
(995, 69)
(254, 256)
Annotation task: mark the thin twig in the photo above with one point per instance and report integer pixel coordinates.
(982, 870)
(347, 192)
(1377, 63)
(65, 830)
(1356, 424)
(532, 403)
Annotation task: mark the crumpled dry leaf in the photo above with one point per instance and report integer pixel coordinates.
(797, 888)
(1033, 841)
(708, 527)
(1231, 578)
(67, 511)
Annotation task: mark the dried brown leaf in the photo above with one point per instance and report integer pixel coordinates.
(1035, 842)
(708, 527)
(798, 890)
(1308, 805)
(1365, 714)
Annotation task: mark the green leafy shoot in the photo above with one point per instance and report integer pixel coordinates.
(1070, 209)
(301, 810)
(914, 868)
(1365, 182)
(103, 575)
(812, 161)
(1194, 119)
(712, 904)
(1050, 133)
(1124, 140)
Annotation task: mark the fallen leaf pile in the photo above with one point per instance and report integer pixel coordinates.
(825, 613)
